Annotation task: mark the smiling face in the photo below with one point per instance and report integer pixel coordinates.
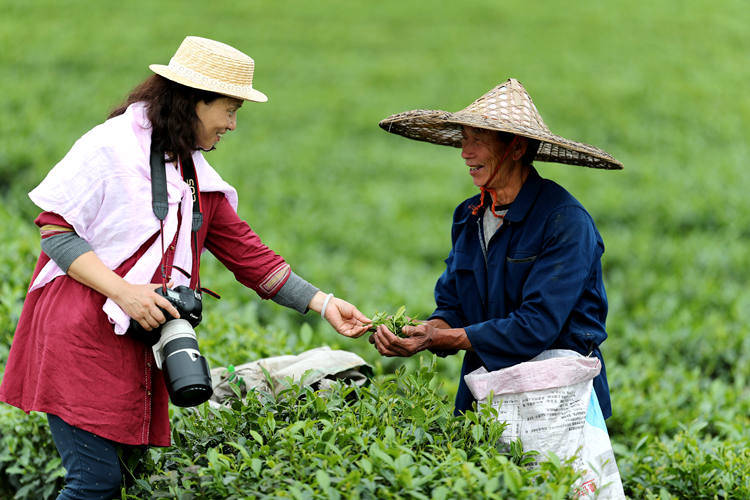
(482, 151)
(215, 119)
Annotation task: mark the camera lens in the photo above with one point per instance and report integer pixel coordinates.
(186, 372)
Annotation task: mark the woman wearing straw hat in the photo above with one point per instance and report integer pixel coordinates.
(524, 273)
(105, 239)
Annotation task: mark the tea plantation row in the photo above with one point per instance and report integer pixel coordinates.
(362, 213)
(678, 432)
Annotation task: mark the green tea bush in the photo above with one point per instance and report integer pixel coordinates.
(30, 466)
(689, 465)
(366, 215)
(393, 439)
(17, 260)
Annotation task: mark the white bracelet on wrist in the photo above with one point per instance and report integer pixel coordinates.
(325, 304)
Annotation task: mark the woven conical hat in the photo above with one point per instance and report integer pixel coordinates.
(506, 108)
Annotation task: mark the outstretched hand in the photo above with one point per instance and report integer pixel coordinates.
(346, 319)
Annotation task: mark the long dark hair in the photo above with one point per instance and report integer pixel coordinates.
(171, 111)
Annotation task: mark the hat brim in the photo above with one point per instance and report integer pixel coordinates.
(444, 128)
(245, 93)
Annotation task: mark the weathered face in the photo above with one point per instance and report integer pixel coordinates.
(215, 118)
(482, 151)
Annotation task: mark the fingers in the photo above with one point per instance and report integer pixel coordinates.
(411, 330)
(361, 317)
(380, 345)
(348, 310)
(167, 306)
(346, 319)
(357, 331)
(350, 332)
(144, 305)
(148, 323)
(389, 344)
(150, 318)
(350, 328)
(391, 350)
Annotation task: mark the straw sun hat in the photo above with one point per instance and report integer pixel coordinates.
(214, 66)
(506, 108)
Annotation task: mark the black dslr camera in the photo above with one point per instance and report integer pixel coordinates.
(176, 350)
(187, 302)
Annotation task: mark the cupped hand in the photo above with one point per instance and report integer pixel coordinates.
(142, 303)
(346, 319)
(418, 338)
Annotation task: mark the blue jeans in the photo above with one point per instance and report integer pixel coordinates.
(91, 462)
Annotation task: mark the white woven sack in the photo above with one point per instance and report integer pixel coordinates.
(549, 404)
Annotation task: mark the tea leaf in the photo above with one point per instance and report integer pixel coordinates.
(394, 322)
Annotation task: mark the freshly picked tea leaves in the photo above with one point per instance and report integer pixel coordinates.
(394, 322)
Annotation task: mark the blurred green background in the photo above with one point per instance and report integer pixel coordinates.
(365, 214)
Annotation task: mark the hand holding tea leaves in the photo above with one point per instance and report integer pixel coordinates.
(395, 323)
(390, 339)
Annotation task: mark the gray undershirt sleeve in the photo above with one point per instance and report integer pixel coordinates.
(64, 248)
(296, 293)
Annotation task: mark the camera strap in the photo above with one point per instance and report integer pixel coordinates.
(159, 201)
(158, 184)
(160, 204)
(187, 169)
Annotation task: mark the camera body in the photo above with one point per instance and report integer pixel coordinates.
(187, 302)
(175, 347)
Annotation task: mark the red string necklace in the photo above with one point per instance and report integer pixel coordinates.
(484, 189)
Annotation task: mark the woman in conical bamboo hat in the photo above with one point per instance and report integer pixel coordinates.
(524, 274)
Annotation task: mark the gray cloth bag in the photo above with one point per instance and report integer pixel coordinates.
(318, 368)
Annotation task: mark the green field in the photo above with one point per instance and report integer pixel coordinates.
(365, 214)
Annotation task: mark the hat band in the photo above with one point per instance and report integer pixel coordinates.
(208, 82)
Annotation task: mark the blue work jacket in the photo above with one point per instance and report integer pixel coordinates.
(537, 285)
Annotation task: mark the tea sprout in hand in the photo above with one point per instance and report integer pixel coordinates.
(394, 322)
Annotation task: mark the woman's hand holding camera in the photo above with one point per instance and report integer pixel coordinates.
(143, 304)
(140, 302)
